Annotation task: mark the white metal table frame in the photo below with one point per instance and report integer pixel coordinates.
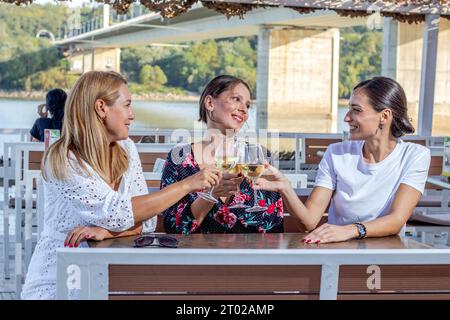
(437, 180)
(86, 269)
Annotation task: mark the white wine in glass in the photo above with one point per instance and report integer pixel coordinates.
(225, 156)
(239, 168)
(227, 164)
(253, 169)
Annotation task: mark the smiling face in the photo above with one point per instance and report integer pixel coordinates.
(362, 118)
(230, 109)
(118, 117)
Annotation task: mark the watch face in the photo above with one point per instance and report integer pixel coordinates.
(361, 231)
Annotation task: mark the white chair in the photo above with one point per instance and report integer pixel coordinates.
(15, 172)
(436, 218)
(435, 215)
(152, 176)
(32, 216)
(7, 175)
(154, 147)
(159, 165)
(297, 180)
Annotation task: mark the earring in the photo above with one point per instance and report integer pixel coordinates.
(381, 126)
(211, 115)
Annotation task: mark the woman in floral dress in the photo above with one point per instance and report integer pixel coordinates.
(224, 107)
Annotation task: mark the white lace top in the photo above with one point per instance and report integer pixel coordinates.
(82, 200)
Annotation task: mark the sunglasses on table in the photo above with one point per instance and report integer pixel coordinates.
(159, 241)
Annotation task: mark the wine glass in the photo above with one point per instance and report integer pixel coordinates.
(239, 167)
(225, 156)
(253, 169)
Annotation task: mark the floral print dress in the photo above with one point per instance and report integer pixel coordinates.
(181, 164)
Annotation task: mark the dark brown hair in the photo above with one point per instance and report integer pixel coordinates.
(385, 93)
(214, 88)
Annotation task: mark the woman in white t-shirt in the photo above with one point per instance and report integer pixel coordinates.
(94, 187)
(371, 182)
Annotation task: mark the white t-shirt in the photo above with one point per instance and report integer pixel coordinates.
(365, 191)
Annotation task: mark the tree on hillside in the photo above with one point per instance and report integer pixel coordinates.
(132, 59)
(26, 62)
(152, 77)
(199, 64)
(238, 59)
(193, 67)
(360, 58)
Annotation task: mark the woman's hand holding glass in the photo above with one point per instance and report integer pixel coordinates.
(204, 179)
(238, 169)
(225, 158)
(227, 185)
(253, 169)
(272, 180)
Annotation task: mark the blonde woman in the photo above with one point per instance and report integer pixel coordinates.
(93, 182)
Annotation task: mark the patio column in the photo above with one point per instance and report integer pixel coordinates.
(428, 75)
(408, 57)
(262, 77)
(106, 14)
(390, 45)
(88, 60)
(297, 79)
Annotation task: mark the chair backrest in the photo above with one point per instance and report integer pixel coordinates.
(159, 165)
(415, 139)
(12, 135)
(152, 138)
(316, 147)
(33, 181)
(297, 180)
(24, 156)
(152, 179)
(40, 205)
(35, 159)
(149, 153)
(293, 225)
(435, 170)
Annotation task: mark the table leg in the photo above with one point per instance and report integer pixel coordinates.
(329, 281)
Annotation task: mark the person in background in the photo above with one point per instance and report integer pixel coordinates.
(371, 182)
(54, 103)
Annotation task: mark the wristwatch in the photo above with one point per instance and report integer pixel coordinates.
(361, 230)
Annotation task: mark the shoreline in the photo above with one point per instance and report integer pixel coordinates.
(40, 95)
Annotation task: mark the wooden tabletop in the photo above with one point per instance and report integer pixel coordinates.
(266, 241)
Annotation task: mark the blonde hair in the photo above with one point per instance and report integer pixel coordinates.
(84, 132)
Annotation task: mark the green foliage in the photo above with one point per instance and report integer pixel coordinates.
(15, 72)
(143, 90)
(360, 58)
(152, 77)
(132, 59)
(191, 68)
(25, 61)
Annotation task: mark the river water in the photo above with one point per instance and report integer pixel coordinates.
(20, 113)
